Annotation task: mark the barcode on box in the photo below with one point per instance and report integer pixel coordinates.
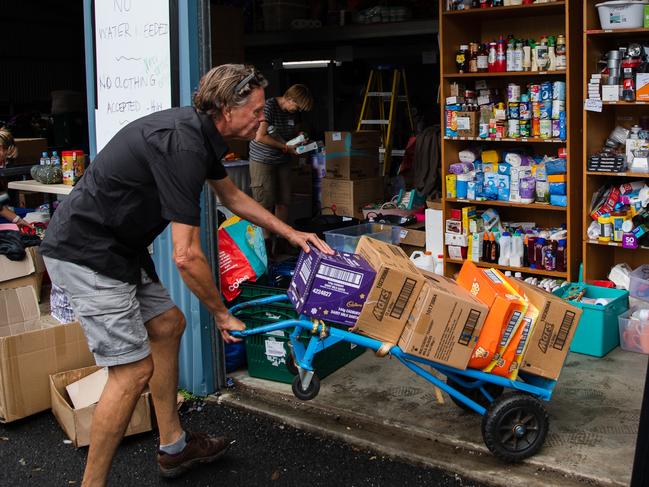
(511, 326)
(527, 326)
(469, 327)
(342, 276)
(305, 270)
(564, 330)
(403, 298)
(493, 276)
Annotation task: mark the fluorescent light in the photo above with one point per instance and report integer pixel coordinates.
(320, 63)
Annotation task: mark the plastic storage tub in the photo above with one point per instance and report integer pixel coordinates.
(621, 14)
(598, 331)
(639, 286)
(634, 333)
(346, 239)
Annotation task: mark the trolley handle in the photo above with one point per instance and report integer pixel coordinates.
(257, 302)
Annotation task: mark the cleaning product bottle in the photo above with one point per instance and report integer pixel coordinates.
(531, 251)
(505, 245)
(561, 256)
(518, 249)
(486, 247)
(539, 246)
(493, 252)
(549, 256)
(423, 260)
(439, 265)
(478, 241)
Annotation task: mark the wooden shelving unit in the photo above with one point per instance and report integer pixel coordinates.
(599, 257)
(524, 270)
(523, 21)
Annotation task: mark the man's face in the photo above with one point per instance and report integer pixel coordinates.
(244, 121)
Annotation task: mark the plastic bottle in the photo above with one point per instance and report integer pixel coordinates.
(538, 253)
(473, 57)
(439, 265)
(495, 251)
(462, 59)
(518, 275)
(527, 57)
(483, 59)
(423, 260)
(560, 52)
(492, 58)
(505, 245)
(561, 256)
(55, 160)
(509, 56)
(518, 250)
(549, 256)
(45, 160)
(552, 58)
(501, 56)
(486, 247)
(508, 273)
(605, 228)
(531, 251)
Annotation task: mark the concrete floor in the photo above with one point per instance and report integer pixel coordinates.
(594, 415)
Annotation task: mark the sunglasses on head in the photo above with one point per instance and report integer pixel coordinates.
(243, 85)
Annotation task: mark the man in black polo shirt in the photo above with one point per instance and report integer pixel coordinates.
(152, 173)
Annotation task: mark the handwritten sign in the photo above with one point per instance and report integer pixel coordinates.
(132, 47)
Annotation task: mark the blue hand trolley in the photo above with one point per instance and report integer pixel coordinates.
(514, 423)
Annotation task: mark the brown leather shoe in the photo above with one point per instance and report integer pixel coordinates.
(201, 448)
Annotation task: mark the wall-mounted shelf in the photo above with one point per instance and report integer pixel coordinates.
(531, 206)
(533, 140)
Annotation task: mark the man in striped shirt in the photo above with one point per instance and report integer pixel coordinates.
(270, 156)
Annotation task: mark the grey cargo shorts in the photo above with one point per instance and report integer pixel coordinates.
(112, 313)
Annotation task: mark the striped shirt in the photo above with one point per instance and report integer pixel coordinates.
(284, 124)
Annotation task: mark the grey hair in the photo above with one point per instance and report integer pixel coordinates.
(220, 87)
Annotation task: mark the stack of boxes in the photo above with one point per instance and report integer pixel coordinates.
(353, 179)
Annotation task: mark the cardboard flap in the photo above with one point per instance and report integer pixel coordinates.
(87, 391)
(19, 311)
(11, 269)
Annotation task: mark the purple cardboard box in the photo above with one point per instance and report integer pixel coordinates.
(331, 287)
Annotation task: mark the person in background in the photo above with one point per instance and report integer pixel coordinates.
(8, 152)
(270, 156)
(149, 175)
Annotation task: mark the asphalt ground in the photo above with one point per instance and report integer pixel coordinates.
(34, 452)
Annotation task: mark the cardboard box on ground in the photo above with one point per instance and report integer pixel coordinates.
(27, 359)
(393, 295)
(74, 394)
(349, 197)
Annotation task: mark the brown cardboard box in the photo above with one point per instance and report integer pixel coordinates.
(352, 155)
(555, 327)
(28, 359)
(19, 311)
(76, 422)
(467, 124)
(29, 151)
(349, 197)
(393, 295)
(26, 272)
(412, 240)
(444, 324)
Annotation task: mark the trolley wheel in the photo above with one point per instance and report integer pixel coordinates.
(474, 394)
(308, 393)
(515, 426)
(291, 366)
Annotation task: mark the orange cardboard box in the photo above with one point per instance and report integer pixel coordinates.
(506, 311)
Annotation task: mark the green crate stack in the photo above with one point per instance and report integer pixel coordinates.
(267, 353)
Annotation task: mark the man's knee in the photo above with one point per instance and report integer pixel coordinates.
(169, 325)
(133, 377)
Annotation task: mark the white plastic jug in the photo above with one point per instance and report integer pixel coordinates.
(423, 260)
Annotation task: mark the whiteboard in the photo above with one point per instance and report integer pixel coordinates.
(133, 63)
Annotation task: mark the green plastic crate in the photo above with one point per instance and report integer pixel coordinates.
(267, 353)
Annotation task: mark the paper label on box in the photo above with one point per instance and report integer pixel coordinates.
(463, 123)
(591, 105)
(403, 234)
(274, 348)
(336, 136)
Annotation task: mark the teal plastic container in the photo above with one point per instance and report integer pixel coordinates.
(598, 332)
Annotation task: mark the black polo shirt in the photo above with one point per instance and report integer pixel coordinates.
(151, 173)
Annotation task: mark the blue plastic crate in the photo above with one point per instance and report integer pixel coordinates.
(598, 332)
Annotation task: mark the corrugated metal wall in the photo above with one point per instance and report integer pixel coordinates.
(197, 371)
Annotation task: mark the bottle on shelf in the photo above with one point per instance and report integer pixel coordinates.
(483, 59)
(509, 55)
(560, 53)
(492, 57)
(461, 59)
(45, 160)
(539, 246)
(518, 57)
(505, 246)
(501, 56)
(527, 56)
(55, 160)
(439, 265)
(473, 57)
(517, 250)
(561, 256)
